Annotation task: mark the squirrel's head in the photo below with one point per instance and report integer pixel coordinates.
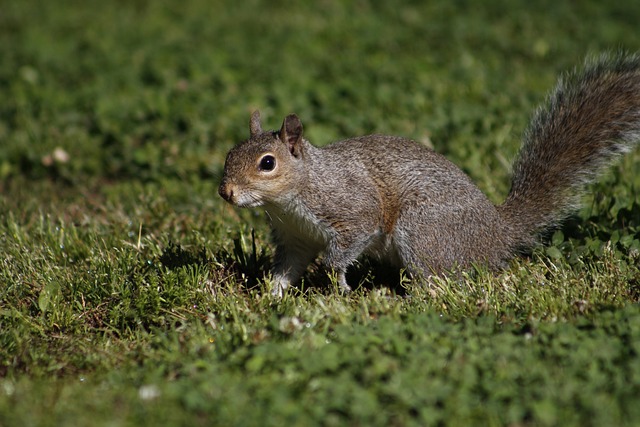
(267, 167)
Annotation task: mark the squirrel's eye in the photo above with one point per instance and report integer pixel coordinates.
(267, 163)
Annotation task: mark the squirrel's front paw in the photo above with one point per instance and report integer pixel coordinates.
(280, 285)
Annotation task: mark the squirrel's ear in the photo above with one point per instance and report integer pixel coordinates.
(255, 127)
(291, 134)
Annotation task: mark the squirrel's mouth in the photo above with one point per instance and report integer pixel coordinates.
(233, 195)
(248, 202)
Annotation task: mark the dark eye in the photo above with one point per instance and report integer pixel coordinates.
(267, 163)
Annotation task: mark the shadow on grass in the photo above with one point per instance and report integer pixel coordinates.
(248, 266)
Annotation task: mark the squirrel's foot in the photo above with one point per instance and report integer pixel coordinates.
(342, 282)
(280, 285)
(277, 291)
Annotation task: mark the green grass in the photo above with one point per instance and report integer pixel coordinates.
(130, 294)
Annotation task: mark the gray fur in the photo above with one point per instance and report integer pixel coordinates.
(394, 199)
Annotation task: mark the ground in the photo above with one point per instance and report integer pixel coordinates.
(131, 294)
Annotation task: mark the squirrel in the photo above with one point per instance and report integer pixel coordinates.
(397, 200)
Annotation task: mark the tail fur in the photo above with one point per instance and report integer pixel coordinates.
(591, 118)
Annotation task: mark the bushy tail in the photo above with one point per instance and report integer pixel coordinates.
(591, 117)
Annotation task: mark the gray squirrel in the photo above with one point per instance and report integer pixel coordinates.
(392, 198)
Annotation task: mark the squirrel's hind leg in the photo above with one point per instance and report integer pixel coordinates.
(342, 282)
(417, 251)
(343, 251)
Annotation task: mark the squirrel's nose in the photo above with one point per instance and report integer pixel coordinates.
(226, 191)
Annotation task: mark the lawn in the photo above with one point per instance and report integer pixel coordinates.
(131, 294)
